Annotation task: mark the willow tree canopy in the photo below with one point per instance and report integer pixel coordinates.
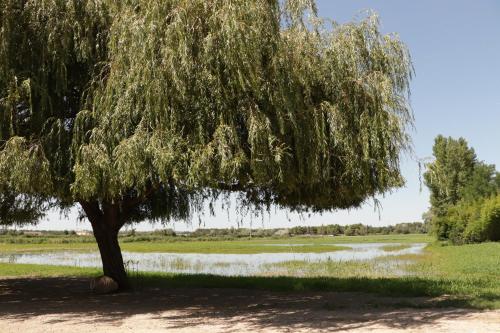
(161, 104)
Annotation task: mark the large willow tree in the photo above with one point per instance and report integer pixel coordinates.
(145, 109)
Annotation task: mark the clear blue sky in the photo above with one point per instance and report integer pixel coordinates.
(455, 45)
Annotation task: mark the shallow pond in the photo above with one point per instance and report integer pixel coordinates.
(208, 263)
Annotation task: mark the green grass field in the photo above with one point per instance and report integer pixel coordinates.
(193, 246)
(467, 275)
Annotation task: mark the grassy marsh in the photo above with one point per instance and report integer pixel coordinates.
(180, 245)
(467, 275)
(395, 247)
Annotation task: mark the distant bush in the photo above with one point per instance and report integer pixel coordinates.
(356, 230)
(164, 232)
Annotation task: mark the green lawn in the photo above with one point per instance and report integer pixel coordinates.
(471, 271)
(27, 270)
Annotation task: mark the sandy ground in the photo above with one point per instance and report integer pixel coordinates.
(65, 305)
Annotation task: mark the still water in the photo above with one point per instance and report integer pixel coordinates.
(210, 263)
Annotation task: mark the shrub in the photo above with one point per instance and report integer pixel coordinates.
(470, 222)
(487, 226)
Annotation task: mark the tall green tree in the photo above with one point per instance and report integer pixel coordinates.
(450, 172)
(145, 109)
(461, 187)
(482, 183)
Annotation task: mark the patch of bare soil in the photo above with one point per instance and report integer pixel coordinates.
(66, 305)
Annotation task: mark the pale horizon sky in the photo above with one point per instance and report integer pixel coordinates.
(455, 46)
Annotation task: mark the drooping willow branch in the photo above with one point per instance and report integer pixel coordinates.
(104, 98)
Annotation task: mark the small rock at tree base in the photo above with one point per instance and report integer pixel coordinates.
(103, 285)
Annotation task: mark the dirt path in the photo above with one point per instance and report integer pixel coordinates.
(65, 305)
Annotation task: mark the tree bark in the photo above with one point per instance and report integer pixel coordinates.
(106, 224)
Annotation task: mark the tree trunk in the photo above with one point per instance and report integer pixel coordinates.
(111, 255)
(106, 224)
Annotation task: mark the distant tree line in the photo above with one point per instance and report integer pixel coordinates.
(224, 233)
(323, 230)
(361, 229)
(465, 194)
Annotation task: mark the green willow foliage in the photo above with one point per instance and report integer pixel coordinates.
(20, 210)
(179, 101)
